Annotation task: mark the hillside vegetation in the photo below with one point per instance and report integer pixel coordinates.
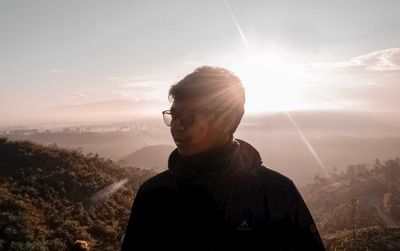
(50, 197)
(358, 209)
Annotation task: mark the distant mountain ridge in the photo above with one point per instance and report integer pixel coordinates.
(106, 110)
(153, 157)
(319, 122)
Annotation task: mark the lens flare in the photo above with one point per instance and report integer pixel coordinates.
(109, 190)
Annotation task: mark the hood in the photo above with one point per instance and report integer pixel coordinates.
(233, 157)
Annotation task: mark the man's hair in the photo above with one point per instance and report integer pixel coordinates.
(80, 245)
(216, 89)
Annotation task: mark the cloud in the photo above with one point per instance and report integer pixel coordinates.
(121, 88)
(74, 95)
(139, 78)
(54, 70)
(192, 60)
(381, 60)
(138, 82)
(366, 82)
(134, 93)
(376, 61)
(139, 87)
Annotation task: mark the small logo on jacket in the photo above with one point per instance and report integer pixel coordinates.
(244, 226)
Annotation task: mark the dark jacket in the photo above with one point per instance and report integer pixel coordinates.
(224, 199)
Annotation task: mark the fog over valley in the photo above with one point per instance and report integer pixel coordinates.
(310, 143)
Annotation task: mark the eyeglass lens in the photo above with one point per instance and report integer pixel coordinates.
(186, 119)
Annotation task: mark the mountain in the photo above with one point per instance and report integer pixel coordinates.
(325, 122)
(153, 157)
(50, 197)
(105, 110)
(112, 142)
(301, 158)
(335, 141)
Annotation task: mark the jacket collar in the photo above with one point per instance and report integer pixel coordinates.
(234, 156)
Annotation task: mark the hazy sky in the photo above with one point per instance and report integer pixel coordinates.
(289, 54)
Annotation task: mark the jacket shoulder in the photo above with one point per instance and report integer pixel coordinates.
(273, 176)
(159, 181)
(274, 181)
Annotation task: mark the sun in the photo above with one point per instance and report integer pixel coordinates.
(271, 83)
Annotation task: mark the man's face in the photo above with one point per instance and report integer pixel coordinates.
(191, 128)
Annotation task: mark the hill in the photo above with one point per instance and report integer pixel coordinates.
(368, 238)
(358, 208)
(51, 196)
(150, 157)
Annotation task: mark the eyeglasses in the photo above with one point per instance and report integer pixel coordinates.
(185, 118)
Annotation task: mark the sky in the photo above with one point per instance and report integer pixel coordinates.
(289, 54)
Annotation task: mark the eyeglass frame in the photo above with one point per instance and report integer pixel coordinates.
(177, 116)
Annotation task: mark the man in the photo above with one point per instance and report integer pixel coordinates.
(216, 194)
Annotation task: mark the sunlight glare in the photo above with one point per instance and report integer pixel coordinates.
(271, 83)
